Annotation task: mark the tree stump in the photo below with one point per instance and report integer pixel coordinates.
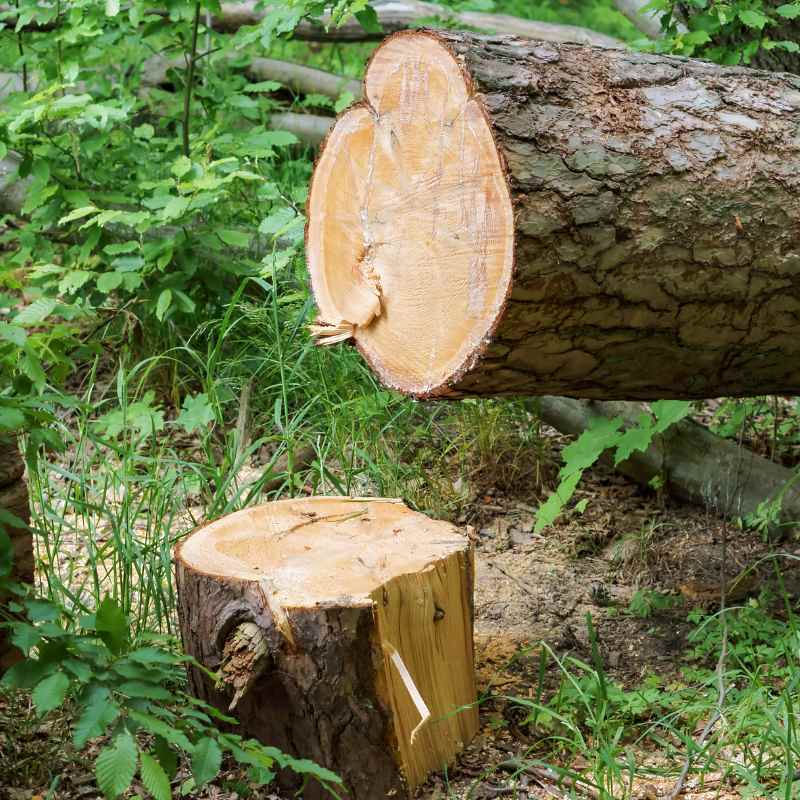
(14, 499)
(342, 629)
(506, 216)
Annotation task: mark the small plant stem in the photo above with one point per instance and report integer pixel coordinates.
(187, 97)
(22, 55)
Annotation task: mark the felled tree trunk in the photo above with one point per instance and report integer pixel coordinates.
(342, 629)
(14, 500)
(694, 464)
(503, 216)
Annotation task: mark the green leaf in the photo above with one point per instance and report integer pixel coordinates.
(160, 728)
(181, 166)
(166, 756)
(145, 131)
(368, 19)
(206, 761)
(112, 625)
(36, 312)
(42, 610)
(154, 778)
(197, 413)
(552, 507)
(753, 19)
(146, 691)
(116, 765)
(789, 10)
(50, 693)
(99, 712)
(668, 412)
(263, 86)
(13, 334)
(11, 418)
(78, 213)
(109, 281)
(6, 553)
(74, 280)
(637, 437)
(176, 206)
(589, 446)
(234, 238)
(163, 304)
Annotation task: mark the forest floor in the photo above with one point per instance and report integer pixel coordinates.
(530, 589)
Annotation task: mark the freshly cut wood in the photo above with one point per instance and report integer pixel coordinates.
(503, 216)
(14, 500)
(695, 464)
(342, 628)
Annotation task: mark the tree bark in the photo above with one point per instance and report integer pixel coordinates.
(695, 464)
(651, 207)
(324, 629)
(14, 499)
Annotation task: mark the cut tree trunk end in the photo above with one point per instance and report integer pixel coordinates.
(503, 216)
(14, 499)
(342, 629)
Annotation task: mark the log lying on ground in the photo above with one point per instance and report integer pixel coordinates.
(394, 15)
(510, 217)
(14, 500)
(399, 15)
(696, 465)
(342, 629)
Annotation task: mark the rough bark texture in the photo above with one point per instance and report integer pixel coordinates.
(14, 499)
(317, 701)
(657, 224)
(313, 678)
(696, 465)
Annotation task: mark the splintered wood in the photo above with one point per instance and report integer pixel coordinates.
(342, 632)
(654, 239)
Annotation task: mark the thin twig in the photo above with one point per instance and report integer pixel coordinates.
(187, 97)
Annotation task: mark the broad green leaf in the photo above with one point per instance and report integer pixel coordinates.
(112, 8)
(234, 238)
(263, 86)
(181, 166)
(166, 756)
(74, 280)
(163, 304)
(146, 691)
(99, 711)
(154, 778)
(36, 312)
(112, 625)
(11, 419)
(116, 765)
(25, 636)
(753, 19)
(6, 553)
(109, 281)
(176, 206)
(368, 19)
(78, 213)
(206, 761)
(637, 437)
(668, 412)
(160, 728)
(50, 693)
(590, 445)
(13, 333)
(552, 507)
(42, 610)
(789, 10)
(145, 131)
(196, 413)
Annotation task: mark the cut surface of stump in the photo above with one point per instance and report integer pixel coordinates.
(506, 216)
(342, 629)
